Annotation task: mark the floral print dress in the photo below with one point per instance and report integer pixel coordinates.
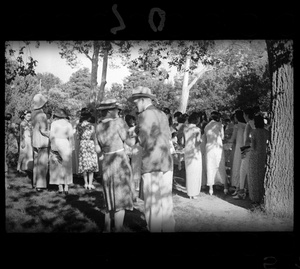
(88, 161)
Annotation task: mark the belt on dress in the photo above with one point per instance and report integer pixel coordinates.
(111, 152)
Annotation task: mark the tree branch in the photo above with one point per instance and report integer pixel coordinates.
(197, 77)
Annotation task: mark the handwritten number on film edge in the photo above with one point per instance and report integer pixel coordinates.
(161, 13)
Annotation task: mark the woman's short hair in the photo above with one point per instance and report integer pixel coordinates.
(177, 114)
(249, 111)
(193, 118)
(215, 115)
(239, 114)
(259, 121)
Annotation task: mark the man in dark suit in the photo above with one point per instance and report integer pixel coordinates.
(157, 164)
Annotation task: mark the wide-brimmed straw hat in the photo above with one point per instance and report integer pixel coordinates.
(39, 101)
(108, 104)
(60, 113)
(141, 92)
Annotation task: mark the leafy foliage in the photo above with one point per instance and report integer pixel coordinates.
(17, 67)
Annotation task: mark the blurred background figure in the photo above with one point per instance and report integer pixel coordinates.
(25, 162)
(62, 145)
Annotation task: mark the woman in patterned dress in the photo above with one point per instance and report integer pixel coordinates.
(111, 134)
(88, 162)
(257, 160)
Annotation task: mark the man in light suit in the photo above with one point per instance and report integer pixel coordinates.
(157, 164)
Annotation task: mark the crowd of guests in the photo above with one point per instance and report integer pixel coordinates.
(135, 154)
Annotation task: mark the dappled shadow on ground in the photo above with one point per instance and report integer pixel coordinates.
(49, 211)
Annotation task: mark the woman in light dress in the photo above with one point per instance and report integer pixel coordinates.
(193, 156)
(237, 139)
(215, 159)
(62, 144)
(25, 162)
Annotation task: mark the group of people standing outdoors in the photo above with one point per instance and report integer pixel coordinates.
(138, 153)
(210, 147)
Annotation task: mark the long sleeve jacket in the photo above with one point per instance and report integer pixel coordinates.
(154, 135)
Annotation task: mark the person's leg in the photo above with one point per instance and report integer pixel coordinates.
(66, 188)
(60, 188)
(119, 219)
(168, 221)
(91, 178)
(42, 168)
(152, 201)
(85, 177)
(107, 220)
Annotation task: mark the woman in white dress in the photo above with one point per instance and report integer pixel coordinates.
(215, 159)
(237, 138)
(25, 162)
(193, 156)
(62, 143)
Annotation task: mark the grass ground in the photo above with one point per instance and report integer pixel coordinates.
(81, 211)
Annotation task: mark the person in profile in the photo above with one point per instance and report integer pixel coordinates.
(154, 136)
(40, 142)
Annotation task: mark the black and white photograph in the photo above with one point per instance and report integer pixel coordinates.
(137, 136)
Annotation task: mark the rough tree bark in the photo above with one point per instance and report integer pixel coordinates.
(279, 177)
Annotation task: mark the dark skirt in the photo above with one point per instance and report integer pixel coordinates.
(117, 182)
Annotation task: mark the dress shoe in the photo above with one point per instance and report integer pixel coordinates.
(39, 190)
(235, 192)
(91, 187)
(240, 196)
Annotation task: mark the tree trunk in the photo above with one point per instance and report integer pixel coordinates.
(104, 71)
(279, 177)
(185, 90)
(94, 72)
(186, 86)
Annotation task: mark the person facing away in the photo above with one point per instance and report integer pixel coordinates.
(62, 144)
(257, 160)
(215, 159)
(236, 141)
(88, 159)
(111, 134)
(193, 156)
(157, 164)
(40, 142)
(248, 114)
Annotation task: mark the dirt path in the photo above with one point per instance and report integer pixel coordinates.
(220, 212)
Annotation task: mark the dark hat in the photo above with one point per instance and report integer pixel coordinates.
(60, 113)
(140, 92)
(108, 104)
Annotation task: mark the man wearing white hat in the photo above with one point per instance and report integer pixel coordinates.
(40, 142)
(157, 164)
